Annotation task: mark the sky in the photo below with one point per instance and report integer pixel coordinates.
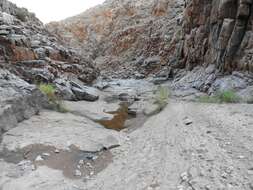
(55, 10)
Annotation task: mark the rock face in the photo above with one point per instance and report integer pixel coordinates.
(125, 36)
(218, 32)
(18, 100)
(30, 51)
(131, 37)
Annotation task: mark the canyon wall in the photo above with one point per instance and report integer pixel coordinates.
(30, 51)
(125, 37)
(218, 32)
(144, 36)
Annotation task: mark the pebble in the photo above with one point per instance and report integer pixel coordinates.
(250, 171)
(78, 173)
(89, 165)
(81, 162)
(46, 154)
(94, 157)
(241, 157)
(33, 168)
(56, 151)
(187, 121)
(39, 158)
(184, 176)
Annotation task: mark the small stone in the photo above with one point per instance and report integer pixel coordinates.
(89, 165)
(224, 175)
(78, 173)
(184, 176)
(78, 166)
(56, 151)
(95, 157)
(187, 121)
(46, 154)
(39, 158)
(250, 171)
(91, 173)
(33, 168)
(81, 162)
(241, 157)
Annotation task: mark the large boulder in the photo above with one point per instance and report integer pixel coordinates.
(18, 100)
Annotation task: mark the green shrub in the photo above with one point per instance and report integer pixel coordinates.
(227, 96)
(54, 101)
(161, 96)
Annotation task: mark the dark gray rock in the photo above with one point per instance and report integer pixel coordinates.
(18, 100)
(85, 93)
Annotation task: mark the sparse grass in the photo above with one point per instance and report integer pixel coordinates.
(161, 97)
(54, 101)
(227, 96)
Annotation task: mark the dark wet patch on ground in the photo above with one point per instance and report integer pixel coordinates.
(74, 163)
(119, 118)
(124, 118)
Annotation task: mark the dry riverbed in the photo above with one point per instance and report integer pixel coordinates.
(110, 144)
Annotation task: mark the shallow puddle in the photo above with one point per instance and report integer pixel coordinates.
(68, 161)
(119, 118)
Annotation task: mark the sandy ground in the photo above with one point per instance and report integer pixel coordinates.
(188, 146)
(214, 152)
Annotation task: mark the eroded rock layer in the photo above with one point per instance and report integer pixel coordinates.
(30, 51)
(125, 36)
(218, 32)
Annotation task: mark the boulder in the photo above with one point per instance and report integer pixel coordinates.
(18, 100)
(85, 93)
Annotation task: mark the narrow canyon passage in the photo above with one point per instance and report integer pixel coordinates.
(126, 95)
(186, 146)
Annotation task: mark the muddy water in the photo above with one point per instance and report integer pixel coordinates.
(67, 161)
(119, 118)
(123, 119)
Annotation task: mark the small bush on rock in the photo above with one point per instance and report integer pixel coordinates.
(54, 101)
(228, 97)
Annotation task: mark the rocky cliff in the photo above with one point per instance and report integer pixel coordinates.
(125, 37)
(130, 37)
(30, 51)
(31, 54)
(218, 32)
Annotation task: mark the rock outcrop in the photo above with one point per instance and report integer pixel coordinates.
(18, 100)
(218, 32)
(131, 37)
(31, 52)
(125, 37)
